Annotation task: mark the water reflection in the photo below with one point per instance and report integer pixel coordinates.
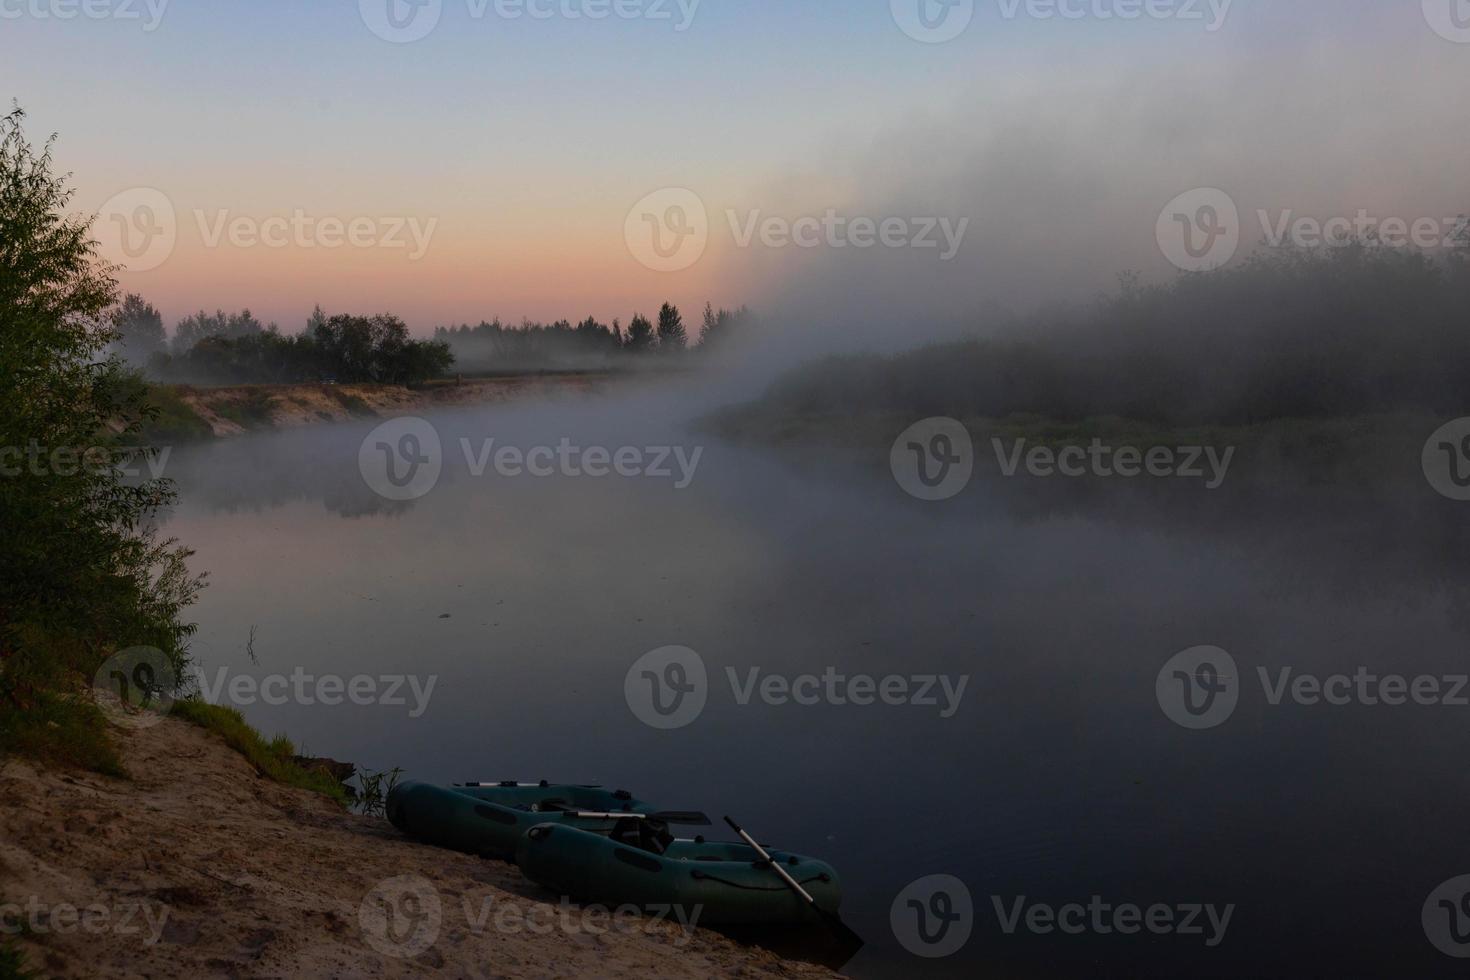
(1058, 778)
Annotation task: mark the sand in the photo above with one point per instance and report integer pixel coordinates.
(235, 409)
(197, 866)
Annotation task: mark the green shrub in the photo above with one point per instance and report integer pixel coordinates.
(83, 573)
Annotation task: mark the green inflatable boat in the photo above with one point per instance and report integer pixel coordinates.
(490, 819)
(725, 883)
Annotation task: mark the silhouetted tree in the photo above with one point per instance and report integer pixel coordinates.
(140, 332)
(193, 329)
(640, 335)
(672, 337)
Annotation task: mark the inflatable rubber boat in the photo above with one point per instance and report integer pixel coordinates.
(490, 819)
(727, 883)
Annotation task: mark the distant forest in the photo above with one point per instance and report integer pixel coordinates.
(1288, 333)
(493, 346)
(236, 348)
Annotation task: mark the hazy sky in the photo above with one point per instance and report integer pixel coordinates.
(517, 146)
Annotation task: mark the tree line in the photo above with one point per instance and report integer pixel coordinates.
(492, 345)
(237, 348)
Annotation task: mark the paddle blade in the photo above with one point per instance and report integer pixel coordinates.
(850, 941)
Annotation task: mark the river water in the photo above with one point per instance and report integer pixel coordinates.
(1054, 777)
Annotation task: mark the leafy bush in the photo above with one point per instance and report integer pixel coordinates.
(83, 572)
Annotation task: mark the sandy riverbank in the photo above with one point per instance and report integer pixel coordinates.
(198, 867)
(236, 409)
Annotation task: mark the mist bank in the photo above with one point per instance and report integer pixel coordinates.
(1286, 334)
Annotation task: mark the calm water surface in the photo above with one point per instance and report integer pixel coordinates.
(1058, 778)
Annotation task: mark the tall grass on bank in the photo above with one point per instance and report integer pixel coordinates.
(273, 759)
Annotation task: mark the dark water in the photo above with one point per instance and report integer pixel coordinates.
(1058, 778)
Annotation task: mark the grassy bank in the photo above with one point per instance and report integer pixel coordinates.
(272, 759)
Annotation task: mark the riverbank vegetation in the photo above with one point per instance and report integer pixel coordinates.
(236, 348)
(274, 759)
(84, 574)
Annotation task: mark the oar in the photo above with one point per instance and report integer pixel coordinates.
(833, 922)
(513, 785)
(691, 818)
